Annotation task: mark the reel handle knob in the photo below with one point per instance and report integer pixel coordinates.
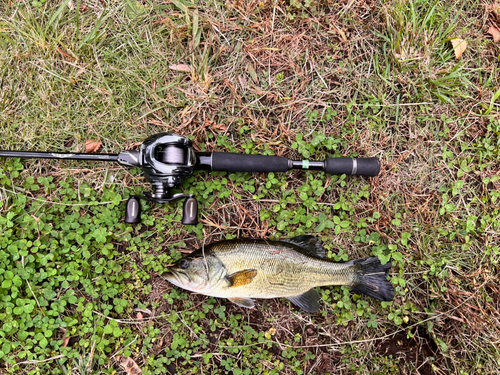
(133, 211)
(190, 211)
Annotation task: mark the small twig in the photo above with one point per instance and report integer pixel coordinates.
(131, 321)
(205, 260)
(91, 356)
(29, 285)
(119, 351)
(42, 361)
(37, 227)
(382, 233)
(62, 204)
(191, 330)
(347, 6)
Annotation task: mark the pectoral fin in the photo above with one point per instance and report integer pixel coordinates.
(243, 302)
(241, 278)
(309, 301)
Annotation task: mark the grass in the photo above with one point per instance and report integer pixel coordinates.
(80, 289)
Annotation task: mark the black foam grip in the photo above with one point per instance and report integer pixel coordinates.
(229, 162)
(369, 167)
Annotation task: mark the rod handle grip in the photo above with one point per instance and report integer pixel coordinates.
(231, 162)
(369, 167)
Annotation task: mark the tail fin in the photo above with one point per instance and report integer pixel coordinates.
(371, 279)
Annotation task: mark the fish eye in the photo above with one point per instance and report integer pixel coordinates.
(184, 264)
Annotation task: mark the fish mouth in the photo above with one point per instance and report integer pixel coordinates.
(178, 278)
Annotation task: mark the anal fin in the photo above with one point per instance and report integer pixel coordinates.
(308, 301)
(243, 302)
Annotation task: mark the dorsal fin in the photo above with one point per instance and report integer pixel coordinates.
(309, 244)
(241, 278)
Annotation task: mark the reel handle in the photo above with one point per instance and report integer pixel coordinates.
(133, 211)
(189, 211)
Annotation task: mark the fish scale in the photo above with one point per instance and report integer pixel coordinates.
(281, 269)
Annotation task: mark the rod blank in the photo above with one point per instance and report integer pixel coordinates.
(58, 155)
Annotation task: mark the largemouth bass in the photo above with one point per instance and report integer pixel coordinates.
(241, 270)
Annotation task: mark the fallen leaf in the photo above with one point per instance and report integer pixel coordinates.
(181, 67)
(495, 33)
(65, 54)
(80, 72)
(253, 73)
(134, 9)
(65, 341)
(459, 45)
(92, 145)
(145, 311)
(140, 316)
(212, 125)
(129, 365)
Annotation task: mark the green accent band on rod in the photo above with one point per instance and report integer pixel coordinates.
(305, 164)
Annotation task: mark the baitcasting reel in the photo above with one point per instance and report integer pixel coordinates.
(167, 158)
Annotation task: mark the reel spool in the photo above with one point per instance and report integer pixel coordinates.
(172, 154)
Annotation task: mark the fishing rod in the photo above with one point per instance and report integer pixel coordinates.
(167, 158)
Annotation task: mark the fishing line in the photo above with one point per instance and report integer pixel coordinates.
(204, 257)
(172, 154)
